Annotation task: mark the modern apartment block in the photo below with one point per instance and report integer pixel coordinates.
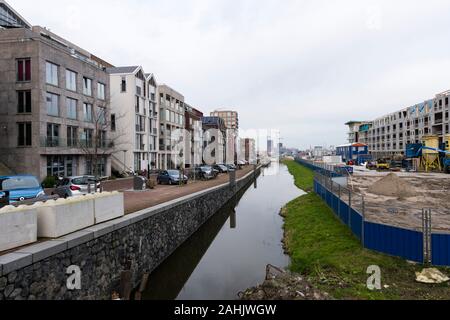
(390, 134)
(193, 148)
(171, 118)
(53, 105)
(134, 119)
(231, 119)
(214, 134)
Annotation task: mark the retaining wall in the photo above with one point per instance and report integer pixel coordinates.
(138, 242)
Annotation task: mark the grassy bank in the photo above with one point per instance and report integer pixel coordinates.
(323, 249)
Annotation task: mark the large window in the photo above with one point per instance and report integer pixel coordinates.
(23, 101)
(87, 138)
(51, 73)
(87, 86)
(23, 70)
(87, 112)
(72, 138)
(101, 91)
(102, 139)
(24, 134)
(71, 105)
(60, 166)
(71, 80)
(52, 135)
(101, 115)
(52, 104)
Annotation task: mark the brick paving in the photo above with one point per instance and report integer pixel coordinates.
(140, 200)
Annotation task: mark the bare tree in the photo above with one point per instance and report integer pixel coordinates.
(99, 140)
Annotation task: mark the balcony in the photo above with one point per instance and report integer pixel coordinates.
(52, 142)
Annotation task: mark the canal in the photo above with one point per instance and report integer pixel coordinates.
(230, 251)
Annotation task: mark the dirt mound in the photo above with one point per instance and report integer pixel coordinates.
(393, 186)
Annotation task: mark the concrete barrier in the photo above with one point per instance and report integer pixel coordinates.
(64, 216)
(18, 227)
(108, 206)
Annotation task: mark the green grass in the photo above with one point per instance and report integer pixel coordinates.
(304, 178)
(324, 249)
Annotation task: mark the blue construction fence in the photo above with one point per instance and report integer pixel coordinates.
(323, 169)
(394, 241)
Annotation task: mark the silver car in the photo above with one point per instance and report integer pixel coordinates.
(77, 186)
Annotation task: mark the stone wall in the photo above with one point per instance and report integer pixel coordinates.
(138, 242)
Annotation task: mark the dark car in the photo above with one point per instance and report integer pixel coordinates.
(21, 188)
(231, 167)
(221, 168)
(171, 177)
(205, 173)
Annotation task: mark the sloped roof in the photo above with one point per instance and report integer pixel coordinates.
(9, 18)
(122, 70)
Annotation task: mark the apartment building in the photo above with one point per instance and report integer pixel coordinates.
(171, 120)
(231, 120)
(390, 134)
(134, 119)
(53, 106)
(214, 134)
(193, 148)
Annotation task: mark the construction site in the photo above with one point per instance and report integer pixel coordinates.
(398, 198)
(395, 191)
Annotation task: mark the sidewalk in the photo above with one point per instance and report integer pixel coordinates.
(140, 200)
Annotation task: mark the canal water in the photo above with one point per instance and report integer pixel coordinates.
(230, 252)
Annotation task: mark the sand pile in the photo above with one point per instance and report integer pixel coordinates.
(392, 186)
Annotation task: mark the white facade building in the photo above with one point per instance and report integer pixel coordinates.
(134, 119)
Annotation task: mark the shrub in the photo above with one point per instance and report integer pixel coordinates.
(49, 182)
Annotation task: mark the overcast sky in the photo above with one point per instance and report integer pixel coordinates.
(304, 67)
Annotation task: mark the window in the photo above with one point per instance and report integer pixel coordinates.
(87, 112)
(71, 105)
(24, 134)
(71, 80)
(101, 115)
(102, 139)
(123, 85)
(52, 104)
(87, 86)
(86, 137)
(113, 122)
(60, 166)
(52, 135)
(72, 136)
(101, 91)
(138, 106)
(51, 73)
(23, 70)
(23, 101)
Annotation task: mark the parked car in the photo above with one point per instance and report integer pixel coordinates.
(171, 177)
(21, 188)
(221, 168)
(76, 186)
(205, 172)
(231, 167)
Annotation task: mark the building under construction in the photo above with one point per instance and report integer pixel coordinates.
(390, 134)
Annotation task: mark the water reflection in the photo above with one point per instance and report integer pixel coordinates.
(223, 258)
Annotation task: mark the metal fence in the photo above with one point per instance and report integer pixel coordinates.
(422, 246)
